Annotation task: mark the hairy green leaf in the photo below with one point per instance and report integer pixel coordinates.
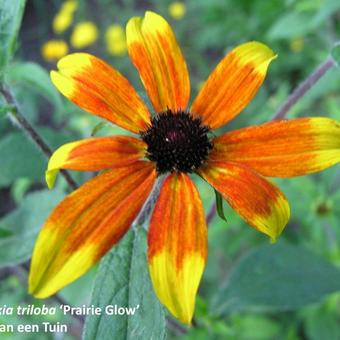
(23, 224)
(5, 109)
(123, 280)
(5, 233)
(10, 20)
(31, 76)
(291, 25)
(277, 277)
(23, 159)
(321, 322)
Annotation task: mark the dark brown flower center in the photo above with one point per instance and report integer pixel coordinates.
(177, 142)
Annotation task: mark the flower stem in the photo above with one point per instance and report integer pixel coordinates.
(22, 122)
(306, 85)
(212, 213)
(149, 204)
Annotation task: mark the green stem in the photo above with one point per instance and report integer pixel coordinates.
(305, 86)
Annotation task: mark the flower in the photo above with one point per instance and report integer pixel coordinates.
(175, 142)
(54, 49)
(84, 34)
(177, 10)
(69, 6)
(297, 44)
(63, 20)
(116, 40)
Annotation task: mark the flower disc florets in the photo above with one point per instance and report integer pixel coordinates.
(177, 142)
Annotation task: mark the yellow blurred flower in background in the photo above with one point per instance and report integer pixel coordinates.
(115, 40)
(61, 22)
(64, 17)
(69, 6)
(297, 44)
(84, 34)
(54, 49)
(177, 10)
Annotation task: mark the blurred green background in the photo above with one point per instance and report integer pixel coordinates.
(250, 289)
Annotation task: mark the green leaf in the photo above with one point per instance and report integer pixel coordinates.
(219, 205)
(326, 9)
(24, 223)
(19, 189)
(5, 109)
(23, 159)
(255, 327)
(5, 233)
(10, 20)
(322, 323)
(123, 280)
(291, 25)
(277, 277)
(33, 76)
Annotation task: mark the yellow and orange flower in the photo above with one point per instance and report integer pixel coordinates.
(176, 142)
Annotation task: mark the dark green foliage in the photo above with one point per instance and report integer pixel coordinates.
(277, 278)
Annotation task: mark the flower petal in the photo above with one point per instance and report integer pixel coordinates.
(282, 148)
(154, 51)
(259, 202)
(86, 224)
(177, 245)
(233, 84)
(93, 154)
(98, 88)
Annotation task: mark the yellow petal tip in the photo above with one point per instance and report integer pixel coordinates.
(176, 287)
(75, 62)
(150, 14)
(57, 161)
(273, 240)
(38, 293)
(62, 83)
(257, 54)
(50, 177)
